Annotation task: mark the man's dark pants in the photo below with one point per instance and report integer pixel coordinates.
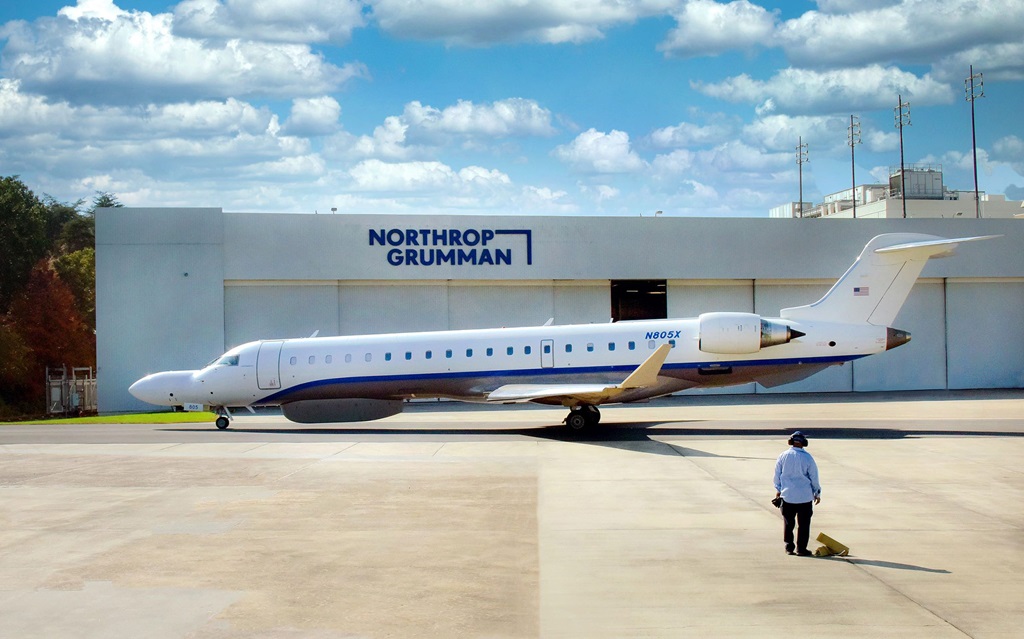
(797, 514)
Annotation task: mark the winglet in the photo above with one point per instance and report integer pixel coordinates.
(646, 374)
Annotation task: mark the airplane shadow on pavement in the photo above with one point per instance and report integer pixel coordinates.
(632, 436)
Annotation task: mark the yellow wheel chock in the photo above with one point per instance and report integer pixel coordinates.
(831, 547)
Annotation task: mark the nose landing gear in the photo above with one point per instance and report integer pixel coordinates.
(223, 417)
(583, 416)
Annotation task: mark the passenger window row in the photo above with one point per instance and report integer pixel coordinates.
(489, 352)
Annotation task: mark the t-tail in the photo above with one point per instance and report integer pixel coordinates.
(873, 290)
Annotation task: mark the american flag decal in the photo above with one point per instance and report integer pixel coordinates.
(859, 291)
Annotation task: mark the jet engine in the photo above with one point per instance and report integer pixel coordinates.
(319, 411)
(738, 333)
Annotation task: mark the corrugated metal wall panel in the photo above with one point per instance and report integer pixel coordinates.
(986, 334)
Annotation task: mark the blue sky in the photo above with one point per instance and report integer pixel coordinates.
(533, 107)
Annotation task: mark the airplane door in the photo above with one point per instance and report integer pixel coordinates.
(268, 366)
(547, 353)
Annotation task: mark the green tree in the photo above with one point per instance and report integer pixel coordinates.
(78, 231)
(104, 199)
(58, 216)
(78, 271)
(22, 236)
(77, 234)
(15, 361)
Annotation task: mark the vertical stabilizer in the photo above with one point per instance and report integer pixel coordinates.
(874, 289)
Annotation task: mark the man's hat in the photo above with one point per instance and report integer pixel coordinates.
(797, 438)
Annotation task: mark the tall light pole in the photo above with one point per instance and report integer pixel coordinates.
(801, 158)
(974, 87)
(853, 139)
(902, 113)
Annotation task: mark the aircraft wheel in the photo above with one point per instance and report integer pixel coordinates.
(222, 422)
(577, 420)
(592, 415)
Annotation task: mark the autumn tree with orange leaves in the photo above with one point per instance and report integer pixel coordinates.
(51, 325)
(47, 292)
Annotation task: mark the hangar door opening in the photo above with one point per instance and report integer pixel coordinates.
(639, 299)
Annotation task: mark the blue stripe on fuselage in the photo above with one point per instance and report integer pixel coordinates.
(283, 395)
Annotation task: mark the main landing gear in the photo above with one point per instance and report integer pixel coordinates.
(583, 416)
(223, 417)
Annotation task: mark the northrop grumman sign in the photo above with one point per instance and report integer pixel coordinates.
(454, 247)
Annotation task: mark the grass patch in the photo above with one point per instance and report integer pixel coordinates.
(137, 418)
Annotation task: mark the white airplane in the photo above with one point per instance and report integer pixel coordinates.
(367, 377)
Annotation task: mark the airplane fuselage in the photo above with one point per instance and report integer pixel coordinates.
(468, 364)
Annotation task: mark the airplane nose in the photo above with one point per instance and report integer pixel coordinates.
(163, 389)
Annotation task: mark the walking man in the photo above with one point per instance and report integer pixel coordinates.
(796, 482)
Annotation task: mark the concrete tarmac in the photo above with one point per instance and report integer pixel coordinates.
(455, 521)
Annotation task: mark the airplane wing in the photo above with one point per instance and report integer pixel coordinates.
(645, 375)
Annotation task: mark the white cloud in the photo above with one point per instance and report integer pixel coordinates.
(852, 6)
(313, 116)
(954, 161)
(673, 164)
(22, 112)
(839, 90)
(103, 9)
(595, 152)
(921, 31)
(704, 192)
(782, 132)
(686, 134)
(738, 157)
(427, 176)
(707, 28)
(201, 119)
(544, 200)
(1010, 150)
(504, 118)
(421, 128)
(208, 139)
(286, 168)
(375, 175)
(95, 55)
(495, 21)
(304, 21)
(387, 142)
(599, 193)
(880, 141)
(765, 108)
(998, 62)
(479, 176)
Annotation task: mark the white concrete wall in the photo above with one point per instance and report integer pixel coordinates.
(985, 334)
(159, 296)
(390, 307)
(279, 311)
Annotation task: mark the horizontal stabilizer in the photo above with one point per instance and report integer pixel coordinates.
(933, 249)
(645, 375)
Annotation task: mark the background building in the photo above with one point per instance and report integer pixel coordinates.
(177, 287)
(926, 196)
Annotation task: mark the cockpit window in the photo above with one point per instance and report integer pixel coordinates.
(227, 360)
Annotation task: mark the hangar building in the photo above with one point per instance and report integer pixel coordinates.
(177, 287)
